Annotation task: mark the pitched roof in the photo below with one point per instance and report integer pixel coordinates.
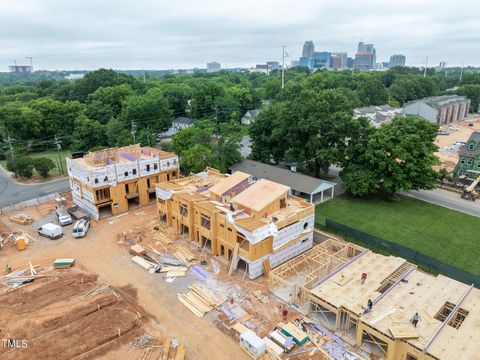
(261, 194)
(297, 181)
(475, 136)
(183, 120)
(228, 183)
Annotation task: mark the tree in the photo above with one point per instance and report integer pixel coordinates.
(372, 92)
(197, 158)
(398, 155)
(149, 111)
(88, 134)
(43, 165)
(24, 166)
(473, 93)
(106, 102)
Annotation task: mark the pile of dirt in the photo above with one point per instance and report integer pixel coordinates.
(69, 315)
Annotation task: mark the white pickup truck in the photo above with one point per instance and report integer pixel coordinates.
(64, 217)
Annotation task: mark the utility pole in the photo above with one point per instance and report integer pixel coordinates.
(461, 74)
(59, 147)
(133, 131)
(9, 140)
(143, 75)
(283, 66)
(425, 70)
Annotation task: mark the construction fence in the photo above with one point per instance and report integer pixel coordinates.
(28, 203)
(424, 261)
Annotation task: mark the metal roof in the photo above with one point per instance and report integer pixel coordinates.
(296, 181)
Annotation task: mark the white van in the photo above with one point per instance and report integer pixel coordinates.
(80, 228)
(51, 231)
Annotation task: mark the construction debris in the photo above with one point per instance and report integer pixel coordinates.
(261, 297)
(162, 238)
(21, 219)
(63, 263)
(143, 341)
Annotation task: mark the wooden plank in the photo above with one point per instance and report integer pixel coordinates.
(239, 327)
(189, 306)
(173, 268)
(403, 332)
(176, 273)
(180, 355)
(266, 267)
(166, 349)
(234, 256)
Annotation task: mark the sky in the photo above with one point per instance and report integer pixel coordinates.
(158, 34)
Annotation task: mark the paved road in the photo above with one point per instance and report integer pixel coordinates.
(448, 199)
(12, 192)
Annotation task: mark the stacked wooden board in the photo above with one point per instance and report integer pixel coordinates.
(174, 271)
(21, 219)
(200, 300)
(162, 238)
(184, 254)
(63, 263)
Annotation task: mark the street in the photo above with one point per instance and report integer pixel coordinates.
(12, 192)
(448, 199)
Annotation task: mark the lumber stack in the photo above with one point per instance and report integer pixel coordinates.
(200, 300)
(162, 238)
(184, 254)
(174, 271)
(21, 219)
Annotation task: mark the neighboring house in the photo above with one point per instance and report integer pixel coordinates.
(440, 110)
(252, 225)
(308, 187)
(377, 114)
(469, 158)
(250, 116)
(113, 181)
(178, 124)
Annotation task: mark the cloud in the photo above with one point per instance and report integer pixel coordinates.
(89, 34)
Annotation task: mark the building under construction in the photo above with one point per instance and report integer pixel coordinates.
(113, 181)
(333, 282)
(252, 225)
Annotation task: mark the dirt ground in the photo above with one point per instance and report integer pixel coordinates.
(102, 253)
(449, 159)
(60, 320)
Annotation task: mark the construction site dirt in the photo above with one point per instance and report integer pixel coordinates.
(58, 322)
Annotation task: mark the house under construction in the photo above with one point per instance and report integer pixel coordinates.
(254, 226)
(113, 181)
(326, 283)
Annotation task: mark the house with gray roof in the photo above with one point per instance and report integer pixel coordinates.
(313, 189)
(250, 116)
(440, 110)
(377, 115)
(469, 158)
(178, 124)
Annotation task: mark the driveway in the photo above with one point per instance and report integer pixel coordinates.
(12, 192)
(448, 199)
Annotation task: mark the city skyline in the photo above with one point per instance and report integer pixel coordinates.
(161, 35)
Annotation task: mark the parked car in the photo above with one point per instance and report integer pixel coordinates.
(64, 217)
(470, 124)
(80, 228)
(459, 142)
(453, 128)
(443, 132)
(51, 231)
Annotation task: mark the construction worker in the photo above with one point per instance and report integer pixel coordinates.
(363, 278)
(284, 314)
(415, 319)
(369, 305)
(8, 269)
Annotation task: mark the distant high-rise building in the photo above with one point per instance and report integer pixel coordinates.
(397, 60)
(305, 61)
(366, 57)
(321, 60)
(308, 49)
(213, 66)
(273, 65)
(338, 60)
(385, 64)
(25, 69)
(350, 62)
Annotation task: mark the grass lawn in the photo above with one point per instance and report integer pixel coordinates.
(52, 154)
(447, 235)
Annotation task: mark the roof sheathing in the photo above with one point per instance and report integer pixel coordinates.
(261, 194)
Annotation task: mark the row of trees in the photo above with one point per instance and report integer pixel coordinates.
(316, 130)
(24, 166)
